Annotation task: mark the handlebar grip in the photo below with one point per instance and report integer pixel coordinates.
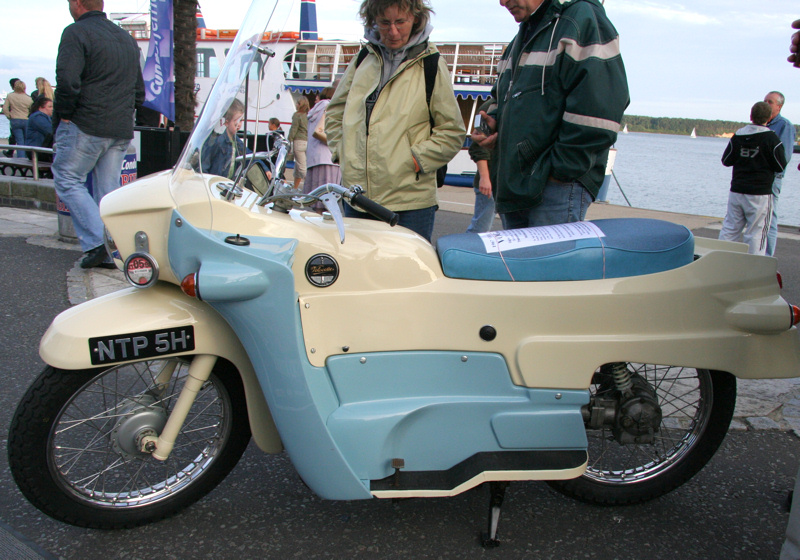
(373, 208)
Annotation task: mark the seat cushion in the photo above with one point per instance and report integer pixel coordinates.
(593, 250)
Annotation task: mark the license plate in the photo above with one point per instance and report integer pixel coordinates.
(139, 345)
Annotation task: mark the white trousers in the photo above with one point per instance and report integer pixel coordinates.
(748, 214)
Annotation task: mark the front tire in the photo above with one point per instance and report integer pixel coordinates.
(73, 447)
(697, 406)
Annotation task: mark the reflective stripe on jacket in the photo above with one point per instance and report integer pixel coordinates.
(559, 99)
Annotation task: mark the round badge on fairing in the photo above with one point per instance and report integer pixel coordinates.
(141, 270)
(322, 270)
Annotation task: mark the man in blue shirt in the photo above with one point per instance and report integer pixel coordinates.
(781, 126)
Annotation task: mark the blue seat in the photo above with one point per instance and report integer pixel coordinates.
(628, 247)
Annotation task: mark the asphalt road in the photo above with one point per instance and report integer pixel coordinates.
(733, 509)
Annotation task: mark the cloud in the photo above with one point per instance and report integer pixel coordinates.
(661, 11)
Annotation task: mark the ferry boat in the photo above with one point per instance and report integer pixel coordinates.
(310, 64)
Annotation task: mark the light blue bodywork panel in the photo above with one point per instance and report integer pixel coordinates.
(437, 409)
(299, 395)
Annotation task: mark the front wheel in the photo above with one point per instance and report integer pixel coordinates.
(696, 410)
(75, 439)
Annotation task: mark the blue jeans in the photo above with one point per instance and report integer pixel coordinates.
(483, 216)
(562, 203)
(77, 155)
(18, 127)
(419, 221)
(772, 236)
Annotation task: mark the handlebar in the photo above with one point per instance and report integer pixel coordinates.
(373, 208)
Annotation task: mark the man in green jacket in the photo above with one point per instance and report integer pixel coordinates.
(558, 101)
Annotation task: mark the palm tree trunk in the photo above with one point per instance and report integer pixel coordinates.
(185, 46)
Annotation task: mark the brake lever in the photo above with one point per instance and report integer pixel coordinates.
(331, 202)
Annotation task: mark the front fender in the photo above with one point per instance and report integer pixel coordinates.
(65, 344)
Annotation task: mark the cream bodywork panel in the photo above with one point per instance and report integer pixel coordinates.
(65, 343)
(556, 334)
(485, 476)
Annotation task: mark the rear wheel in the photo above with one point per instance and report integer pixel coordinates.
(696, 409)
(75, 439)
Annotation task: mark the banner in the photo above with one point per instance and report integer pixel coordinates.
(159, 68)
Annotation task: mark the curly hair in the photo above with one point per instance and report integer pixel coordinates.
(421, 10)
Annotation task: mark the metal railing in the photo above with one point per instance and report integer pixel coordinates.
(21, 162)
(325, 62)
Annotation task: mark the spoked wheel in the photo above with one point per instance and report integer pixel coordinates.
(75, 441)
(696, 410)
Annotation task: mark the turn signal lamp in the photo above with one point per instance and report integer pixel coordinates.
(189, 285)
(795, 315)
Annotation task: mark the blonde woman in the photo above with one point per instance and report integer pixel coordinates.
(43, 89)
(298, 136)
(16, 108)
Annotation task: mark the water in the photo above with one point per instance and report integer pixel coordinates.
(683, 174)
(674, 174)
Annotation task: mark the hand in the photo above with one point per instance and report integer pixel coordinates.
(485, 186)
(794, 48)
(480, 136)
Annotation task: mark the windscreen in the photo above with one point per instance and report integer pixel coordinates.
(206, 155)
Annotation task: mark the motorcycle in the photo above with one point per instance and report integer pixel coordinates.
(600, 357)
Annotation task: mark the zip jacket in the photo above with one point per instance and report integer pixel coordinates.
(756, 154)
(378, 151)
(99, 78)
(558, 101)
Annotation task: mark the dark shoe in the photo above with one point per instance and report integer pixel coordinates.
(108, 265)
(94, 257)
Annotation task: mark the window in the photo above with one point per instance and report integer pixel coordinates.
(207, 64)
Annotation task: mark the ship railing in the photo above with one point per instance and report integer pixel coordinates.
(323, 63)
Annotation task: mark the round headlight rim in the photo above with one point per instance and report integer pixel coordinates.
(153, 264)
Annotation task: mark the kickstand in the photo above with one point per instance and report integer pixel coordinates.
(497, 491)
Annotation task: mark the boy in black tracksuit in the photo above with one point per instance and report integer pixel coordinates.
(756, 154)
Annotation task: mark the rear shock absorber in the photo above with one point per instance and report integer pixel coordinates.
(622, 377)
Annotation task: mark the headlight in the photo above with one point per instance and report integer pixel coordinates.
(141, 270)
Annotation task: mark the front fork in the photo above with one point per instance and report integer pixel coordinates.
(199, 372)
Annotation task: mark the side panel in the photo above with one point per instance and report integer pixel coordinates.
(723, 312)
(65, 344)
(436, 410)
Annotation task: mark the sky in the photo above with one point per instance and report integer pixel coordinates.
(706, 59)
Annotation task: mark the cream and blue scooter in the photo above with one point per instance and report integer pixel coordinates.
(601, 356)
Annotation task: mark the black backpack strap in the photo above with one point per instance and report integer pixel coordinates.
(362, 54)
(431, 65)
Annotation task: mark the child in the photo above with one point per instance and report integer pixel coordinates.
(756, 154)
(221, 154)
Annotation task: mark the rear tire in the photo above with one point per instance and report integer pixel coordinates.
(73, 450)
(697, 407)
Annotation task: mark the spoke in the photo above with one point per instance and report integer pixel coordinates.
(88, 460)
(680, 393)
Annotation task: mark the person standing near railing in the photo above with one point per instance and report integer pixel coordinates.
(16, 109)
